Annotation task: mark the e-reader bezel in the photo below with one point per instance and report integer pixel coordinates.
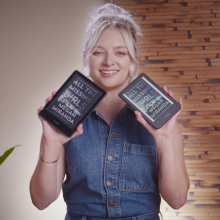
(167, 115)
(55, 121)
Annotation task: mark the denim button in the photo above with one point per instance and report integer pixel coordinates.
(111, 158)
(112, 204)
(109, 183)
(116, 136)
(106, 136)
(122, 115)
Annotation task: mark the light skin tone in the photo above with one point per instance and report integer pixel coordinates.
(109, 68)
(109, 64)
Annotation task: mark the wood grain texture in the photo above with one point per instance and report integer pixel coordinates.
(180, 48)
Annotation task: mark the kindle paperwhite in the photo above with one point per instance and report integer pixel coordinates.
(144, 95)
(72, 103)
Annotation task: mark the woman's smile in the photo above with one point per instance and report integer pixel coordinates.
(108, 73)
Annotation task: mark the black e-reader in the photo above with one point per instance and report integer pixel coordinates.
(144, 95)
(72, 103)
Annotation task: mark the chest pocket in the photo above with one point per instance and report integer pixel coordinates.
(139, 168)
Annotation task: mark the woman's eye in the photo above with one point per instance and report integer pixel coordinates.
(120, 53)
(97, 53)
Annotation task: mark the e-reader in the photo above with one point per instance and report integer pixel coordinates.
(144, 95)
(72, 103)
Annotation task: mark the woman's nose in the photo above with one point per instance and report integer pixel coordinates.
(108, 60)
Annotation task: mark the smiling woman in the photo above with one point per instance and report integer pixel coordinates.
(104, 18)
(110, 61)
(111, 162)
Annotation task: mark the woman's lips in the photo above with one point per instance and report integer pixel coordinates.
(108, 73)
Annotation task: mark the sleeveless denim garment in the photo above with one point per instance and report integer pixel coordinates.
(112, 171)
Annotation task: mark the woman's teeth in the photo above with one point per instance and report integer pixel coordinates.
(109, 72)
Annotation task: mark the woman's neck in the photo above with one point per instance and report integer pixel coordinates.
(110, 106)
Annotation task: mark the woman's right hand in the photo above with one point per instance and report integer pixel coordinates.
(50, 134)
(48, 176)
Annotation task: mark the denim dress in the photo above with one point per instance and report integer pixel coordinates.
(112, 171)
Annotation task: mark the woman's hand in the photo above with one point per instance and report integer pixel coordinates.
(47, 180)
(166, 131)
(173, 179)
(50, 134)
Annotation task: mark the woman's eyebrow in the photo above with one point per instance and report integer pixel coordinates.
(121, 47)
(113, 47)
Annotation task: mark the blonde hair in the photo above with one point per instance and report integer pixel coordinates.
(110, 15)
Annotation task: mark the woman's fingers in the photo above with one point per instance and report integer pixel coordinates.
(41, 108)
(38, 111)
(142, 121)
(50, 97)
(165, 89)
(139, 116)
(46, 101)
(53, 93)
(169, 124)
(170, 94)
(181, 104)
(79, 131)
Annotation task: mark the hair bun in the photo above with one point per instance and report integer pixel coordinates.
(112, 13)
(111, 9)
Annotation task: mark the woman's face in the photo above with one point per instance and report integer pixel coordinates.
(110, 62)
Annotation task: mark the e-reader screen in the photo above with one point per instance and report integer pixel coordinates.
(148, 99)
(74, 101)
(144, 95)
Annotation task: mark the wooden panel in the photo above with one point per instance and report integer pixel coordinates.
(180, 47)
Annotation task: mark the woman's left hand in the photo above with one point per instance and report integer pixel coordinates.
(166, 131)
(173, 180)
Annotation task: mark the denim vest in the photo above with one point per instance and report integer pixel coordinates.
(112, 171)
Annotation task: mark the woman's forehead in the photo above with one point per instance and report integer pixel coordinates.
(111, 37)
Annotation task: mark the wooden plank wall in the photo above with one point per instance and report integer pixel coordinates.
(181, 49)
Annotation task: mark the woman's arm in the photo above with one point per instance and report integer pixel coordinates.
(172, 176)
(47, 179)
(46, 182)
